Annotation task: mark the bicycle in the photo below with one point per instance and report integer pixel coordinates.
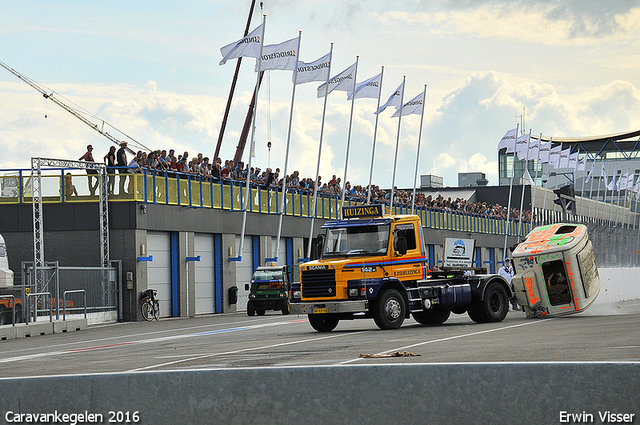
(149, 306)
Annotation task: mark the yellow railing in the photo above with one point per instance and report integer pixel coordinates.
(61, 187)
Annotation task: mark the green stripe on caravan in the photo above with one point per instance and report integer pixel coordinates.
(362, 211)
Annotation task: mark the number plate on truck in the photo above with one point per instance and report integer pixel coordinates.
(317, 310)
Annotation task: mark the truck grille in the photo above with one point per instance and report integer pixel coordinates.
(318, 283)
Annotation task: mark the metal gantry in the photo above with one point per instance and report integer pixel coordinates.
(38, 230)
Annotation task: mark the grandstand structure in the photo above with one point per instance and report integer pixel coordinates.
(618, 153)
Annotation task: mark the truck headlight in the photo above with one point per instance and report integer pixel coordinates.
(357, 292)
(297, 294)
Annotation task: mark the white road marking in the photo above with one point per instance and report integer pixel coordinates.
(407, 347)
(243, 350)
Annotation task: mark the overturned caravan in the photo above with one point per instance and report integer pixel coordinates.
(556, 272)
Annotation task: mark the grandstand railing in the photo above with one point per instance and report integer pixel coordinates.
(62, 185)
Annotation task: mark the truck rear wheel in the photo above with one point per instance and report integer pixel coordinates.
(4, 316)
(323, 322)
(493, 308)
(389, 310)
(431, 317)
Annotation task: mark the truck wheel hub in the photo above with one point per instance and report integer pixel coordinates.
(392, 309)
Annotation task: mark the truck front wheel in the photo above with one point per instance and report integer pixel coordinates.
(493, 308)
(432, 317)
(286, 308)
(323, 322)
(389, 310)
(251, 309)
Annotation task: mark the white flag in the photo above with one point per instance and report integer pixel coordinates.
(564, 158)
(394, 99)
(554, 156)
(414, 106)
(508, 141)
(534, 149)
(527, 178)
(281, 56)
(582, 164)
(522, 145)
(593, 166)
(342, 81)
(573, 161)
(317, 70)
(622, 181)
(248, 46)
(367, 88)
(612, 183)
(545, 150)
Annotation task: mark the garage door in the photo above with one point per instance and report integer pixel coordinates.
(244, 270)
(281, 253)
(205, 272)
(159, 270)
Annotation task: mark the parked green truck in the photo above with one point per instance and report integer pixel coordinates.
(269, 289)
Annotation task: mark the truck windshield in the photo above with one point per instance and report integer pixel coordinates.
(267, 275)
(357, 240)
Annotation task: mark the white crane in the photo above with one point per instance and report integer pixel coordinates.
(50, 94)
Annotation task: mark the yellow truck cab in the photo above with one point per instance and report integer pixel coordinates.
(375, 266)
(556, 272)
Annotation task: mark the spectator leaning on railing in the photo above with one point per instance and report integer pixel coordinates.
(199, 167)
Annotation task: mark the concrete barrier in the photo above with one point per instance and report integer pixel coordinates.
(523, 393)
(617, 285)
(22, 330)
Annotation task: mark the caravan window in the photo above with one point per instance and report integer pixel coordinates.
(556, 282)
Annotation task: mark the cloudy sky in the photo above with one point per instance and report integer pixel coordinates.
(150, 69)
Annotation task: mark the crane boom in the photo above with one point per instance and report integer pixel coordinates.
(49, 94)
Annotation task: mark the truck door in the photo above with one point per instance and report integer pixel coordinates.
(410, 265)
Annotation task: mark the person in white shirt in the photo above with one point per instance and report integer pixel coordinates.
(507, 272)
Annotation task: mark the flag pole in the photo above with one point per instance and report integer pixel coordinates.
(286, 155)
(583, 179)
(513, 172)
(253, 133)
(415, 176)
(375, 133)
(535, 184)
(613, 185)
(604, 198)
(223, 125)
(315, 186)
(346, 158)
(619, 187)
(544, 201)
(526, 169)
(395, 158)
(593, 167)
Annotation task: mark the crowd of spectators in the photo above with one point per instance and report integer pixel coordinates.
(161, 162)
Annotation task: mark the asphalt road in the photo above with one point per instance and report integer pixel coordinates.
(274, 340)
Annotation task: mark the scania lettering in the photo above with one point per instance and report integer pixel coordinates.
(376, 267)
